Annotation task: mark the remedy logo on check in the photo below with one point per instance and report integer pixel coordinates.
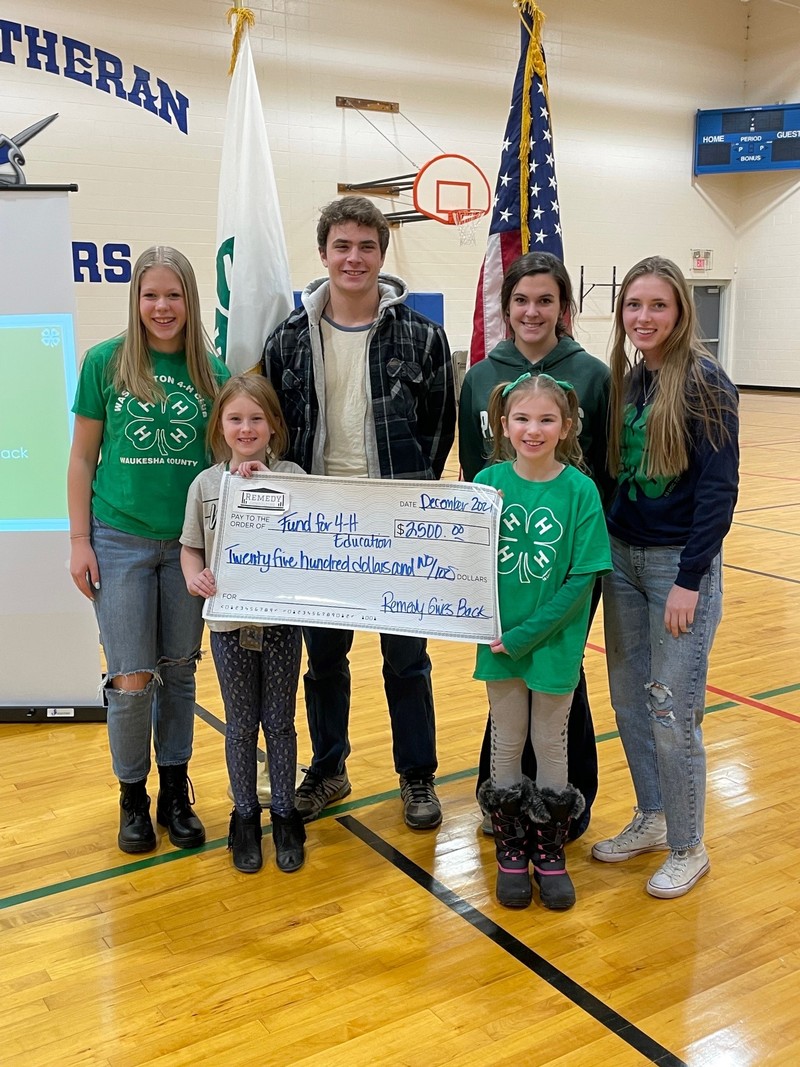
(263, 499)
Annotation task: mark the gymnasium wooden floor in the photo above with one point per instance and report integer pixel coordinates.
(388, 947)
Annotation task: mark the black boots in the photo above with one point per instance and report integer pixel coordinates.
(551, 814)
(511, 829)
(244, 842)
(136, 833)
(531, 825)
(288, 834)
(174, 811)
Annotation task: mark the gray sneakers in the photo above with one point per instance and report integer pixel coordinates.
(421, 807)
(315, 793)
(647, 832)
(681, 870)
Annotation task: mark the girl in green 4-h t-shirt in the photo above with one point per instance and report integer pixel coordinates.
(141, 408)
(552, 545)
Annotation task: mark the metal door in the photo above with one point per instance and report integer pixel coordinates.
(708, 303)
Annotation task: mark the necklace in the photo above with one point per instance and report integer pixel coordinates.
(650, 388)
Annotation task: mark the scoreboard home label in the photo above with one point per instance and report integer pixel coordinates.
(740, 139)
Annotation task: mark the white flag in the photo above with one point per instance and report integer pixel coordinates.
(254, 293)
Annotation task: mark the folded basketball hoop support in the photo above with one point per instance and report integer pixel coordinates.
(449, 188)
(390, 187)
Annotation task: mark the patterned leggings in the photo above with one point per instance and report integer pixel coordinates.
(260, 688)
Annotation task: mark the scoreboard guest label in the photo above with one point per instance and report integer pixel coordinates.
(741, 140)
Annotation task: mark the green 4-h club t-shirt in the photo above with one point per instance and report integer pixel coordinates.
(151, 453)
(552, 545)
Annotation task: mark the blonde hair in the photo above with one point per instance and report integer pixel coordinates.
(261, 392)
(683, 394)
(501, 402)
(132, 365)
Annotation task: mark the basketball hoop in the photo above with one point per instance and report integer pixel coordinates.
(453, 190)
(466, 224)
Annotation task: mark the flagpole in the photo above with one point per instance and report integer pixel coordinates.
(244, 17)
(526, 215)
(254, 291)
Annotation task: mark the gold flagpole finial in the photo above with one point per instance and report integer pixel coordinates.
(534, 65)
(243, 17)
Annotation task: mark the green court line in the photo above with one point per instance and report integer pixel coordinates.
(328, 813)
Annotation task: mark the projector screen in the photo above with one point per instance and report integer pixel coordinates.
(49, 658)
(37, 358)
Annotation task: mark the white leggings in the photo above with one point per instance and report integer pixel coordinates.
(514, 710)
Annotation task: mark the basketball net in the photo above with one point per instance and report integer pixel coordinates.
(466, 224)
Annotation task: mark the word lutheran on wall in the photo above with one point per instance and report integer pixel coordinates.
(80, 62)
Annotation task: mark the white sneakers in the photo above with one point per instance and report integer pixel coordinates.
(679, 872)
(647, 832)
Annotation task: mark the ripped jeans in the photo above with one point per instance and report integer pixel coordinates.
(657, 683)
(149, 623)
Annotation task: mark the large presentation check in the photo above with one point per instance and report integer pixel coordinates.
(394, 556)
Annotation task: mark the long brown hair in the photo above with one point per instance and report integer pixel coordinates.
(566, 400)
(541, 263)
(132, 365)
(261, 392)
(683, 394)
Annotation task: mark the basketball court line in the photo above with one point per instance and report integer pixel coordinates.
(771, 477)
(333, 811)
(763, 574)
(522, 953)
(769, 529)
(737, 698)
(768, 507)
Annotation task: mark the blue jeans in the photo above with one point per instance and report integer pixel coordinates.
(148, 623)
(657, 683)
(409, 695)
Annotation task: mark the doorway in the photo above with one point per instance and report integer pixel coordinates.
(709, 302)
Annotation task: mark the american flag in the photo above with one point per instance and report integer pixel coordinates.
(525, 215)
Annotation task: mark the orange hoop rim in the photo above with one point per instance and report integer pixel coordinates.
(451, 216)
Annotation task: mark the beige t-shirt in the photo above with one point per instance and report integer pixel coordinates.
(345, 399)
(200, 519)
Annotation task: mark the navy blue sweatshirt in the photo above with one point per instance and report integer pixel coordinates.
(694, 510)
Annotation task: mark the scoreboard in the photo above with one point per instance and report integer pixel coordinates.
(737, 140)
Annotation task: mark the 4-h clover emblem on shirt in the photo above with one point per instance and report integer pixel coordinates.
(182, 409)
(527, 542)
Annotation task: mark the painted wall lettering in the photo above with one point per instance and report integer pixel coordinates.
(80, 62)
(109, 263)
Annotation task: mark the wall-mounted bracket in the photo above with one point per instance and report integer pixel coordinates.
(586, 289)
(359, 104)
(379, 186)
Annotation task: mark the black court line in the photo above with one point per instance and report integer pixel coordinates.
(769, 529)
(580, 997)
(762, 574)
(210, 718)
(768, 507)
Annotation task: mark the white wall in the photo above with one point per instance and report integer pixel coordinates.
(626, 77)
(767, 342)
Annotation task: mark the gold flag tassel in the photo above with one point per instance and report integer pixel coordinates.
(534, 65)
(244, 17)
